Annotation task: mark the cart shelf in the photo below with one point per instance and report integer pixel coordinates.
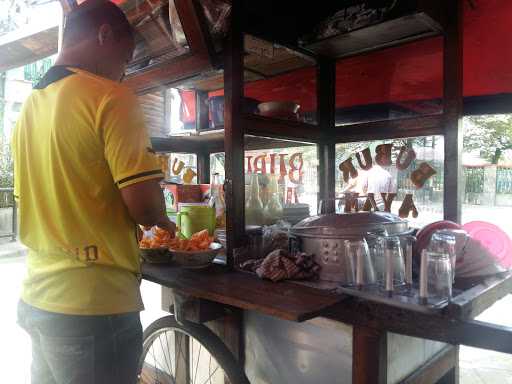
(267, 133)
(390, 129)
(260, 133)
(390, 33)
(201, 72)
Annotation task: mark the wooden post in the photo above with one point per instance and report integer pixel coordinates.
(68, 5)
(202, 122)
(452, 377)
(234, 133)
(453, 104)
(233, 334)
(203, 167)
(326, 109)
(182, 358)
(369, 356)
(203, 158)
(443, 368)
(166, 130)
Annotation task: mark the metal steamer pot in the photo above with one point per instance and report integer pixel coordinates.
(325, 236)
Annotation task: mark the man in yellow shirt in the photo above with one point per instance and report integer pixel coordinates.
(85, 176)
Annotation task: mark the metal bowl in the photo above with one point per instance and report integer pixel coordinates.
(196, 259)
(156, 255)
(286, 109)
(324, 237)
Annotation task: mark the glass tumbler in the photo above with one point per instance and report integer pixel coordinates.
(359, 268)
(388, 259)
(438, 275)
(443, 241)
(407, 242)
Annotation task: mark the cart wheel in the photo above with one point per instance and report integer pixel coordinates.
(186, 354)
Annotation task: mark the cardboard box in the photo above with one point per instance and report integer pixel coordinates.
(184, 193)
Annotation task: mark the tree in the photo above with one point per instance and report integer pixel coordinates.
(491, 136)
(6, 165)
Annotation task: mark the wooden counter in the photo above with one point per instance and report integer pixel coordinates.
(295, 302)
(284, 300)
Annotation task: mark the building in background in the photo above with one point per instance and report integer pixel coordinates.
(15, 86)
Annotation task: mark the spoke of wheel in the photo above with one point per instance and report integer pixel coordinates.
(163, 352)
(155, 360)
(210, 366)
(168, 350)
(180, 352)
(211, 375)
(192, 358)
(197, 364)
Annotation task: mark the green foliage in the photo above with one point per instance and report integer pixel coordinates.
(6, 164)
(489, 135)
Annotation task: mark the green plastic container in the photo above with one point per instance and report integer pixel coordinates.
(193, 218)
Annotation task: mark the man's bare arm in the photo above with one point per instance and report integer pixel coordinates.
(146, 205)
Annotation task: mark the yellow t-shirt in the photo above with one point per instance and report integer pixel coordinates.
(79, 139)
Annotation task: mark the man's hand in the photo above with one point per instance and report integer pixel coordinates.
(168, 225)
(146, 205)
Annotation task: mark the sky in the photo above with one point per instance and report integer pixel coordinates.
(41, 14)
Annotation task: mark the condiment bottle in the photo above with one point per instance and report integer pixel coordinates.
(274, 209)
(253, 205)
(217, 201)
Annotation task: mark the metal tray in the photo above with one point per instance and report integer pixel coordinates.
(403, 297)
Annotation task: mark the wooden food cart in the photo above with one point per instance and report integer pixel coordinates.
(287, 332)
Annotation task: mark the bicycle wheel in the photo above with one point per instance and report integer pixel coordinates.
(186, 354)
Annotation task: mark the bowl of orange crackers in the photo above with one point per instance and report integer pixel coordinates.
(198, 251)
(154, 246)
(159, 246)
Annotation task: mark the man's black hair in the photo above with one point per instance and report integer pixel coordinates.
(83, 21)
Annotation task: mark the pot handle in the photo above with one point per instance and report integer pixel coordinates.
(410, 240)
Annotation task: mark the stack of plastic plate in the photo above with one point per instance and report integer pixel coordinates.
(220, 235)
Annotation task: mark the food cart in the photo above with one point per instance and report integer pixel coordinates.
(289, 332)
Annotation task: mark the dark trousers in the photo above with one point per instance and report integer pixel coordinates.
(69, 349)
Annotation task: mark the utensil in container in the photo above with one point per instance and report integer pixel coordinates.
(359, 269)
(389, 261)
(407, 242)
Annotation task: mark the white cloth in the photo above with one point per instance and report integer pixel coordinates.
(378, 181)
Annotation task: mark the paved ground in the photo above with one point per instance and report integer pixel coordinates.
(485, 367)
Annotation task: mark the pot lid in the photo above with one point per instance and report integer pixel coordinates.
(348, 223)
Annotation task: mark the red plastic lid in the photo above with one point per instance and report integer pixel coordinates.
(424, 234)
(495, 240)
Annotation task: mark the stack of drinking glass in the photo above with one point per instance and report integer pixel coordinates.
(384, 263)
